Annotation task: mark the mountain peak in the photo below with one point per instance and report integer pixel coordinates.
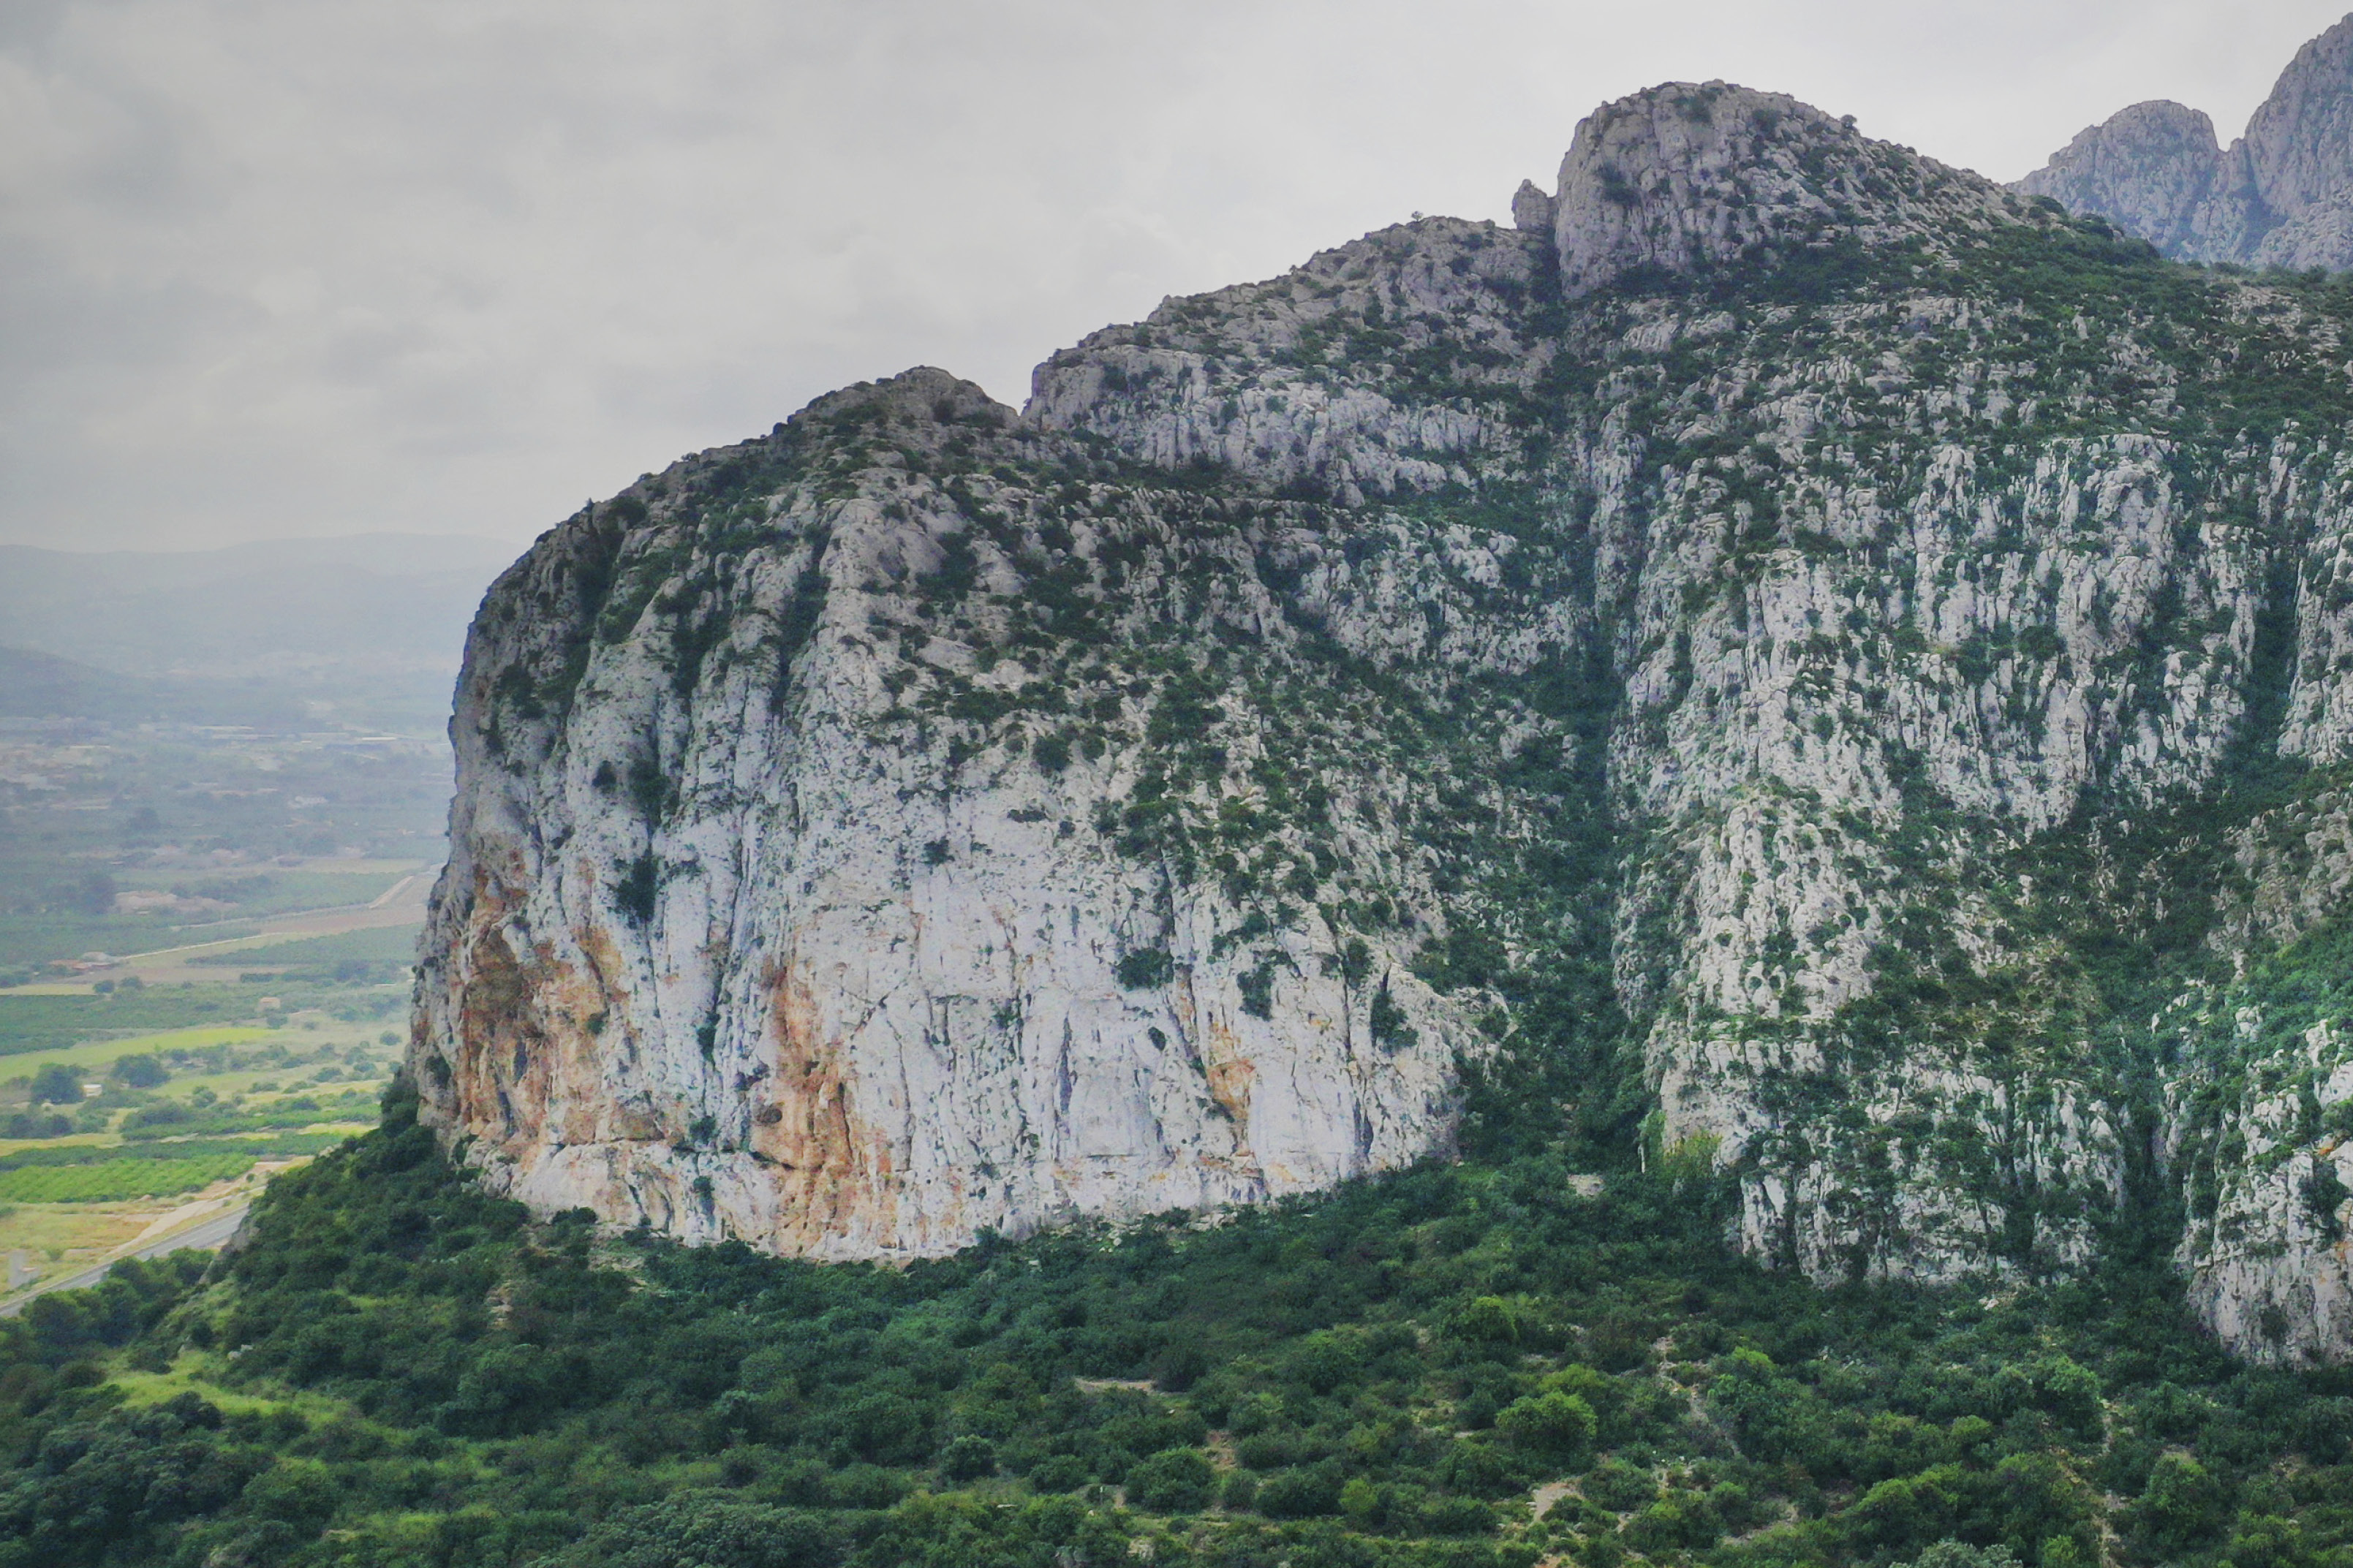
(1688, 176)
(2280, 195)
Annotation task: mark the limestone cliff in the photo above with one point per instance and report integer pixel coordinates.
(1805, 659)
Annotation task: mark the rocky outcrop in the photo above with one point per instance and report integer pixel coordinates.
(2281, 195)
(1694, 176)
(809, 889)
(1786, 614)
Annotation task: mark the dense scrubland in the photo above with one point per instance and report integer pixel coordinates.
(1464, 1364)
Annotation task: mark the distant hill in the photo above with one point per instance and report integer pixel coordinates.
(43, 686)
(378, 605)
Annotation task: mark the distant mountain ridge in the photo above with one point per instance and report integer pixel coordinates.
(384, 603)
(43, 686)
(2280, 195)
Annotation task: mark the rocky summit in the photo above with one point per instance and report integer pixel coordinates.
(2281, 195)
(1791, 658)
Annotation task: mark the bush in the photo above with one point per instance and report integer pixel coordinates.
(968, 1458)
(1145, 969)
(1175, 1480)
(1489, 1320)
(1058, 1473)
(1959, 1554)
(706, 1531)
(1051, 753)
(1677, 1521)
(33, 1124)
(2182, 1506)
(1473, 1467)
(1620, 1487)
(1387, 1022)
(1554, 1426)
(886, 1429)
(1309, 1493)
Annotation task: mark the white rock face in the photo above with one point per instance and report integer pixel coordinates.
(733, 942)
(2281, 195)
(1758, 618)
(1695, 174)
(2269, 1249)
(1241, 380)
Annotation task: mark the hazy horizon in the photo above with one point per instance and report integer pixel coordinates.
(280, 272)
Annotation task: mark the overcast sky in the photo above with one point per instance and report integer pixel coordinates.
(272, 267)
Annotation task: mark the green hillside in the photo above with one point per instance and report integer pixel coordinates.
(400, 1370)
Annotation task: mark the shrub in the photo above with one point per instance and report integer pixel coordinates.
(968, 1458)
(708, 1531)
(637, 889)
(1554, 1426)
(1473, 1467)
(1051, 753)
(1145, 969)
(1058, 1473)
(2182, 1506)
(1325, 1360)
(1175, 1480)
(1309, 1493)
(1620, 1487)
(1678, 1521)
(1959, 1554)
(1489, 1320)
(1388, 1024)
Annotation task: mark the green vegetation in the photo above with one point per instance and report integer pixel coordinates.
(111, 1181)
(53, 1023)
(380, 955)
(400, 1370)
(1468, 1366)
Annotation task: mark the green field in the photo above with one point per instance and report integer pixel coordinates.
(32, 937)
(385, 953)
(104, 1053)
(112, 1180)
(46, 1022)
(265, 1146)
(49, 1023)
(127, 840)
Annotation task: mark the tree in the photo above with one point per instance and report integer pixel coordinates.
(968, 1458)
(1553, 1426)
(2182, 1505)
(57, 1084)
(711, 1531)
(1176, 1481)
(1960, 1554)
(140, 1070)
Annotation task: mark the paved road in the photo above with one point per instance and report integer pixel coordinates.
(207, 1236)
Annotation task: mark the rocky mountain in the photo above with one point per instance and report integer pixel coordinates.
(2281, 195)
(1792, 659)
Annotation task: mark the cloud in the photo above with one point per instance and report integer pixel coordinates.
(274, 268)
